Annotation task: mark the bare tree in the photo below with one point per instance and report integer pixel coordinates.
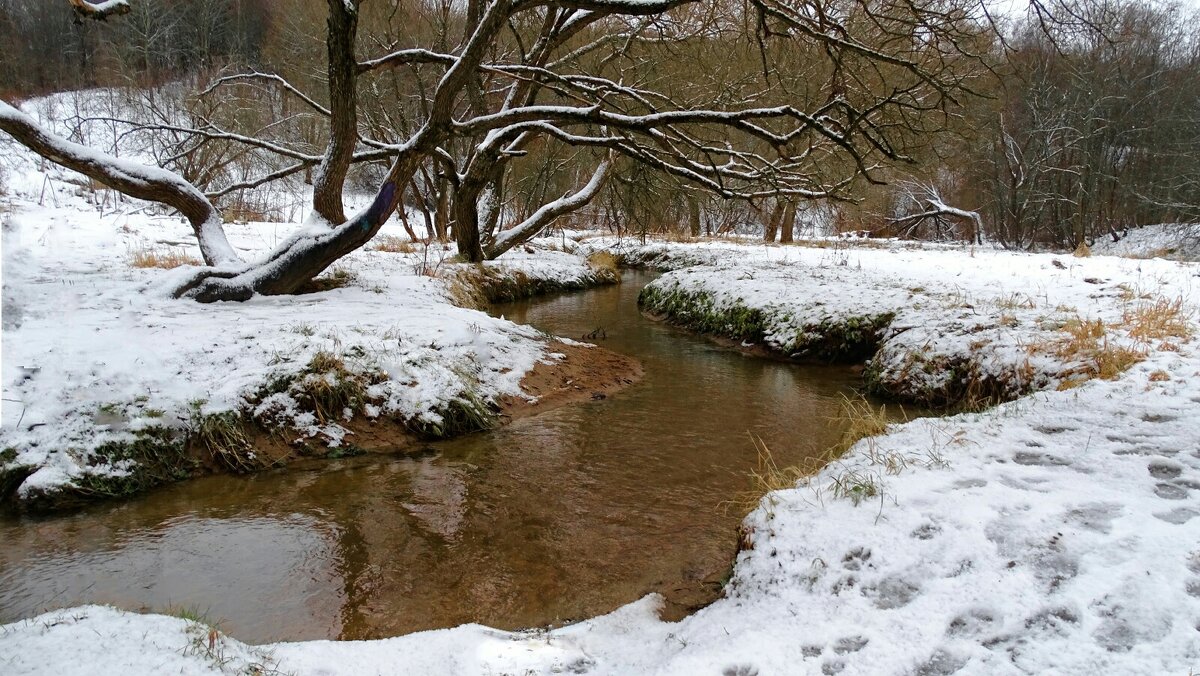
(559, 72)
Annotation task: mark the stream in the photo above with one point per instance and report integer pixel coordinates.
(557, 517)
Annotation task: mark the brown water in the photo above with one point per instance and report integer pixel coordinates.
(554, 518)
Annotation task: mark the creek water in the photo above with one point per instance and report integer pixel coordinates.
(554, 518)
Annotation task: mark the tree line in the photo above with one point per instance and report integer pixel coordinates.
(495, 118)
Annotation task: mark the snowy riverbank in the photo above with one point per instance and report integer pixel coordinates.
(112, 387)
(1056, 533)
(938, 326)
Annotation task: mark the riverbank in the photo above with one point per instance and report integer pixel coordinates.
(936, 326)
(1052, 533)
(112, 388)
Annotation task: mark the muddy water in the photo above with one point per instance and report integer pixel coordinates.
(554, 518)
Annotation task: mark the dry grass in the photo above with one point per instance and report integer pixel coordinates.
(1082, 251)
(164, 257)
(1159, 319)
(1086, 342)
(859, 420)
(331, 388)
(393, 244)
(224, 437)
(1159, 376)
(336, 279)
(1162, 252)
(603, 261)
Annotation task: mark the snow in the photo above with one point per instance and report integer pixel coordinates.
(1056, 533)
(1173, 241)
(95, 351)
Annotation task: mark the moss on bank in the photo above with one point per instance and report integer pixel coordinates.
(843, 340)
(477, 286)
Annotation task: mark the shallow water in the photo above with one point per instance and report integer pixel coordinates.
(554, 518)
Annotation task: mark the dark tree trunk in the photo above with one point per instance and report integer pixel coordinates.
(343, 104)
(466, 220)
(693, 215)
(772, 225)
(787, 224)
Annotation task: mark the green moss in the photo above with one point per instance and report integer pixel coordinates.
(492, 284)
(845, 340)
(155, 456)
(962, 385)
(698, 312)
(466, 413)
(344, 451)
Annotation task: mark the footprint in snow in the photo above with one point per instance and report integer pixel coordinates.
(1170, 491)
(1163, 470)
(892, 592)
(1096, 516)
(856, 558)
(850, 644)
(1177, 516)
(973, 622)
(940, 663)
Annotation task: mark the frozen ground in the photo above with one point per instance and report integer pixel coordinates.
(1057, 533)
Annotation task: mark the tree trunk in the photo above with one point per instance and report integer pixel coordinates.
(442, 217)
(466, 221)
(772, 225)
(693, 215)
(343, 105)
(787, 224)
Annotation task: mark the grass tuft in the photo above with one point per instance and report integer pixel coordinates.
(165, 258)
(1086, 343)
(333, 391)
(393, 244)
(224, 437)
(603, 261)
(1159, 319)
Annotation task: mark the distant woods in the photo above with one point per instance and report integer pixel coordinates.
(1084, 122)
(46, 47)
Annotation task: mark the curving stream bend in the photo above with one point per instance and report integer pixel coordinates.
(554, 518)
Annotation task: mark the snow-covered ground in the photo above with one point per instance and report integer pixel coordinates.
(939, 324)
(97, 356)
(1173, 241)
(1057, 533)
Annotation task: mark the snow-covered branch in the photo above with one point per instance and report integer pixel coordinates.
(546, 215)
(100, 11)
(136, 180)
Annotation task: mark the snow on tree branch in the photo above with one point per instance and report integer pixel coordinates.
(100, 11)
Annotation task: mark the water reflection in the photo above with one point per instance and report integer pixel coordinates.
(554, 518)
